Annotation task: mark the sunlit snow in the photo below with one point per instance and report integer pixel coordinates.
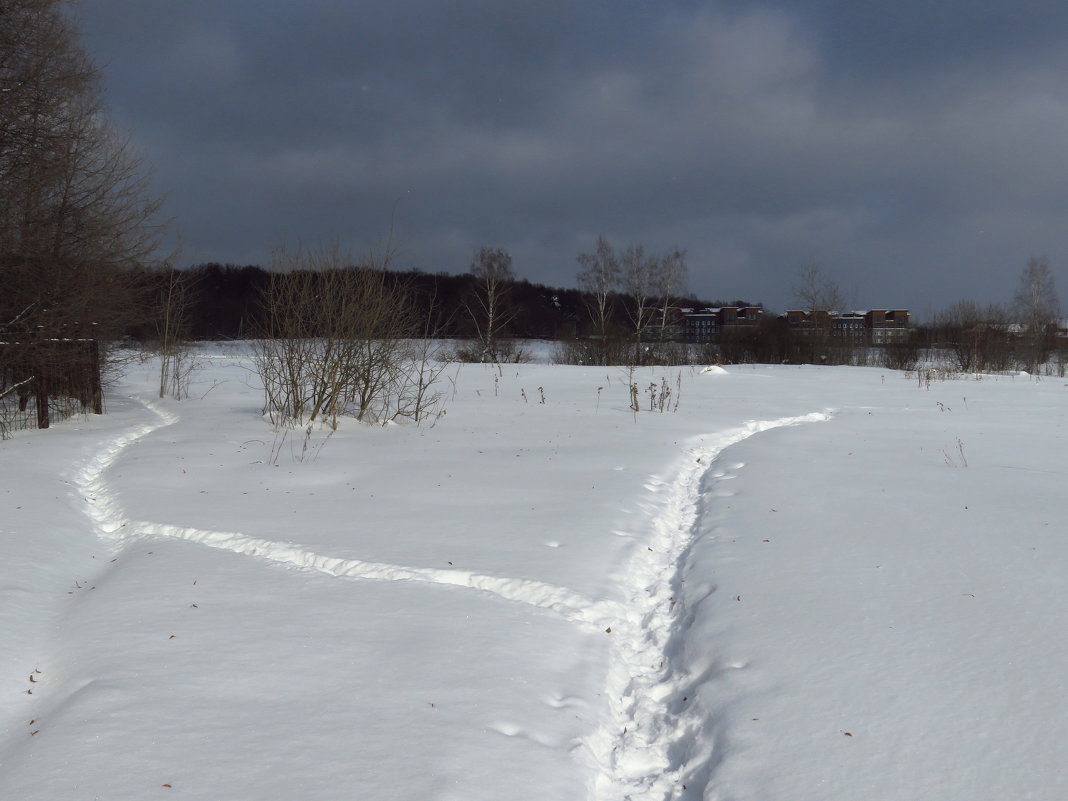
(804, 584)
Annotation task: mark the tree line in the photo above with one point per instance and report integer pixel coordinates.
(1022, 334)
(616, 314)
(225, 303)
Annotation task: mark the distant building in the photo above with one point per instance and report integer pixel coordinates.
(705, 325)
(664, 324)
(849, 326)
(874, 326)
(887, 326)
(701, 326)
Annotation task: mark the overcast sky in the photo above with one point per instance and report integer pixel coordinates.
(916, 149)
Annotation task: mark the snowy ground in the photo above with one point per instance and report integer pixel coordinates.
(804, 584)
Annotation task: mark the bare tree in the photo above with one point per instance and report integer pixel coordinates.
(172, 323)
(639, 283)
(1037, 308)
(75, 213)
(815, 290)
(492, 269)
(599, 276)
(670, 280)
(417, 396)
(76, 217)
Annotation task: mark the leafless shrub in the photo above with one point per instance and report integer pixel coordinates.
(9, 408)
(978, 337)
(336, 342)
(901, 356)
(418, 397)
(505, 351)
(601, 351)
(623, 352)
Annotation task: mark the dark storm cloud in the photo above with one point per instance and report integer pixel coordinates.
(917, 150)
(883, 41)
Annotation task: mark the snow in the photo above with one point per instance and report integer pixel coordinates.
(805, 583)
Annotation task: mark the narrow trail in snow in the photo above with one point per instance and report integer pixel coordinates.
(635, 751)
(571, 605)
(638, 751)
(111, 522)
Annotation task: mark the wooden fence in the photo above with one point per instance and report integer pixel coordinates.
(51, 369)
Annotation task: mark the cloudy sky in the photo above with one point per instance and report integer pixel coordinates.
(916, 149)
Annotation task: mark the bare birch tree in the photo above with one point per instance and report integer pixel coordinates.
(639, 283)
(1037, 308)
(492, 269)
(599, 276)
(172, 324)
(670, 279)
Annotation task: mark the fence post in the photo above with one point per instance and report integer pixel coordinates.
(95, 386)
(42, 387)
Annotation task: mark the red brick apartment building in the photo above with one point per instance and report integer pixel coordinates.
(874, 326)
(704, 325)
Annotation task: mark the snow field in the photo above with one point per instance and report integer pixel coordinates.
(895, 615)
(544, 601)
